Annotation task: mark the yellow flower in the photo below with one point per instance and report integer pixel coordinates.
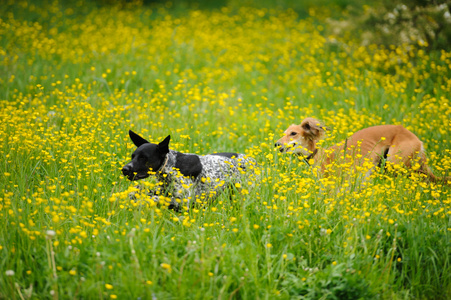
(256, 226)
(73, 272)
(108, 286)
(268, 245)
(167, 267)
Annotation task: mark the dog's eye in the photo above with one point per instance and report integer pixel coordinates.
(293, 133)
(133, 156)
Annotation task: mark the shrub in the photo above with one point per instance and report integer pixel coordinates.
(399, 22)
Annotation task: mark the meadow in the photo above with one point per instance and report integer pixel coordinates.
(76, 76)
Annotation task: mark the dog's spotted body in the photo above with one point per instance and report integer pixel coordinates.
(184, 177)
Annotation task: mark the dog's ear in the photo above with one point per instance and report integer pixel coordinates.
(313, 130)
(163, 146)
(136, 139)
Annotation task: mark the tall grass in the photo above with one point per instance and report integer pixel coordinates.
(75, 77)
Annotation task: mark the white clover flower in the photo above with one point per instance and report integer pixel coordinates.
(50, 233)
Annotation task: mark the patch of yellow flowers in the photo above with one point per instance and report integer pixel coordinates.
(218, 81)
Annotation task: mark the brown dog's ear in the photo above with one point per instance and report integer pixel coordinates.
(313, 130)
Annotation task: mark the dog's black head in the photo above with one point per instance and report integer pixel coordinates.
(147, 157)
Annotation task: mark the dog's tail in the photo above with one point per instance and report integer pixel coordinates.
(426, 170)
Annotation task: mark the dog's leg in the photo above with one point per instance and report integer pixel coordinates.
(132, 195)
(408, 154)
(175, 205)
(400, 155)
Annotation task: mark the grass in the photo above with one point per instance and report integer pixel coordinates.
(75, 77)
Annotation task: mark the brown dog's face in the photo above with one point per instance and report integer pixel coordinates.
(293, 141)
(301, 139)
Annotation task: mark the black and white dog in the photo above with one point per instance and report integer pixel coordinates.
(184, 177)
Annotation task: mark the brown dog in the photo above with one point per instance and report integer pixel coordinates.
(393, 143)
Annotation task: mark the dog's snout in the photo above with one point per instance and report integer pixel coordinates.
(126, 170)
(280, 146)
